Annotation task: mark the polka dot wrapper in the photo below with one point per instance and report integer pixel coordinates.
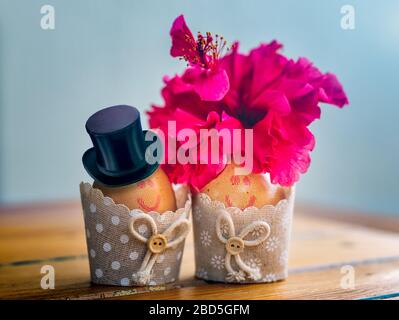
(117, 240)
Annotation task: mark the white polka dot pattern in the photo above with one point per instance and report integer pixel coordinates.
(107, 247)
(124, 238)
(115, 255)
(99, 228)
(115, 220)
(115, 265)
(99, 273)
(133, 255)
(93, 208)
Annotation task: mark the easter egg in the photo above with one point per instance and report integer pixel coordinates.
(243, 191)
(154, 193)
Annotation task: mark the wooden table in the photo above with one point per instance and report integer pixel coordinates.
(53, 234)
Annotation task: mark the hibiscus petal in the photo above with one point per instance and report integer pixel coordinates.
(272, 100)
(267, 66)
(180, 94)
(159, 117)
(237, 67)
(306, 107)
(183, 42)
(281, 147)
(288, 162)
(210, 85)
(203, 174)
(331, 91)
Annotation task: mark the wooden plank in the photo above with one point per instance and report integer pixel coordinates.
(41, 232)
(59, 231)
(71, 282)
(319, 241)
(367, 219)
(54, 234)
(370, 280)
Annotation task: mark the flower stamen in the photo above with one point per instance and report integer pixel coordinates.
(205, 51)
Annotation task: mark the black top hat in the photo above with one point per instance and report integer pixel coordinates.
(118, 156)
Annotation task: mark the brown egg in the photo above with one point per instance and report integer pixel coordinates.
(243, 191)
(155, 193)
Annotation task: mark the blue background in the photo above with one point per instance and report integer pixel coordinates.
(111, 52)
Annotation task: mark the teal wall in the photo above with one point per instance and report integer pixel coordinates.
(105, 52)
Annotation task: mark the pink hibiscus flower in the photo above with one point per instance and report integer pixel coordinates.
(275, 96)
(203, 76)
(199, 169)
(278, 98)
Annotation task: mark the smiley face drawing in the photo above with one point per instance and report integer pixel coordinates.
(141, 201)
(243, 191)
(154, 193)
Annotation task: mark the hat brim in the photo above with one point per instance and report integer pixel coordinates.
(90, 164)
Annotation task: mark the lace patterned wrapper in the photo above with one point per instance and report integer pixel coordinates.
(242, 246)
(130, 247)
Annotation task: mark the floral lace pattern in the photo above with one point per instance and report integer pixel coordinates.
(266, 262)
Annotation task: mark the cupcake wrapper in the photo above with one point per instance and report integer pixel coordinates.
(119, 240)
(242, 246)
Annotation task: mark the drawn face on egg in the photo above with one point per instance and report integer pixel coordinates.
(243, 184)
(154, 193)
(144, 201)
(242, 191)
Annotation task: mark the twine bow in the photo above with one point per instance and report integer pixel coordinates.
(156, 243)
(236, 244)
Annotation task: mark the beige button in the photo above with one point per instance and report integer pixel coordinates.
(234, 245)
(157, 243)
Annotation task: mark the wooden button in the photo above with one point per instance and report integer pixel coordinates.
(234, 245)
(157, 243)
